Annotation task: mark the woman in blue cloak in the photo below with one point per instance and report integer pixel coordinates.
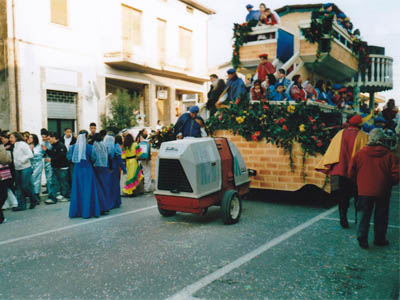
(114, 154)
(84, 195)
(102, 171)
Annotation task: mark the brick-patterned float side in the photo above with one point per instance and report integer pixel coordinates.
(272, 165)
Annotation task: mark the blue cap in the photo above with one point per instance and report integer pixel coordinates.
(379, 120)
(194, 109)
(248, 6)
(326, 5)
(231, 71)
(341, 15)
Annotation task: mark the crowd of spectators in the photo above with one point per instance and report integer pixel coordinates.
(25, 158)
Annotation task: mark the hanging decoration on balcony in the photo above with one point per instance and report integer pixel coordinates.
(360, 48)
(240, 34)
(157, 137)
(281, 125)
(320, 31)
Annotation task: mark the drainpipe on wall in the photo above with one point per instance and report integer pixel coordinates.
(16, 87)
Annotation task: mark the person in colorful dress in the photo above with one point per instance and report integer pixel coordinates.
(135, 174)
(37, 164)
(114, 155)
(84, 193)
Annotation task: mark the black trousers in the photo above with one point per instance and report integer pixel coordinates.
(346, 189)
(365, 205)
(4, 185)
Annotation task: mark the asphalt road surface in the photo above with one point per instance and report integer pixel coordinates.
(280, 249)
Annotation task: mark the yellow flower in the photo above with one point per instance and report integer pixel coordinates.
(239, 120)
(291, 108)
(302, 128)
(245, 112)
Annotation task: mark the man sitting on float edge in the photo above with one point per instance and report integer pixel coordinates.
(189, 123)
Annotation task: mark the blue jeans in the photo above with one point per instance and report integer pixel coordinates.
(52, 189)
(60, 178)
(23, 180)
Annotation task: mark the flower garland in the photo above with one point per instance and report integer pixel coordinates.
(360, 48)
(240, 34)
(281, 125)
(166, 134)
(320, 31)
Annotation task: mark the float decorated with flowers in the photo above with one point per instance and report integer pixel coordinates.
(283, 124)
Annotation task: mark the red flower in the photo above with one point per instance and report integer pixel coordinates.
(254, 137)
(258, 133)
(284, 127)
(314, 127)
(323, 124)
(237, 101)
(319, 143)
(233, 116)
(312, 120)
(266, 107)
(282, 120)
(276, 121)
(314, 137)
(234, 53)
(220, 117)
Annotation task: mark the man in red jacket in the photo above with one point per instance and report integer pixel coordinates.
(375, 169)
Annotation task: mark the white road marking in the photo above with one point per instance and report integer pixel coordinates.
(188, 291)
(75, 225)
(352, 221)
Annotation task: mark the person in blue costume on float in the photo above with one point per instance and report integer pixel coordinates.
(235, 86)
(278, 94)
(114, 155)
(84, 194)
(190, 123)
(253, 14)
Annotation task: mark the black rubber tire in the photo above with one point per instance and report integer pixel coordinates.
(166, 213)
(226, 204)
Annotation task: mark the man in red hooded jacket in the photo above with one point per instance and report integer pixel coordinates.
(375, 169)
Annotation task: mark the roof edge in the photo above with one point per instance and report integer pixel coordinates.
(199, 6)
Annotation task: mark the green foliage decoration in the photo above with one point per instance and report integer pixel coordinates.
(123, 112)
(280, 124)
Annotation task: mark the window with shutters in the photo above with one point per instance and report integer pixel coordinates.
(185, 46)
(59, 12)
(131, 27)
(162, 43)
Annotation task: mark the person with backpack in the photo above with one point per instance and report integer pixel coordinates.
(145, 159)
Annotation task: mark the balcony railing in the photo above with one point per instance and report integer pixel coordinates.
(379, 75)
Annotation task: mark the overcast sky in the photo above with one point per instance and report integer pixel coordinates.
(378, 22)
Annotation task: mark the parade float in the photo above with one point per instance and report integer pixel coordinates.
(284, 141)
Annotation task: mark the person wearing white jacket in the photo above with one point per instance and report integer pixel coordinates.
(23, 172)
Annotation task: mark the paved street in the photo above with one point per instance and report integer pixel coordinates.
(279, 250)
